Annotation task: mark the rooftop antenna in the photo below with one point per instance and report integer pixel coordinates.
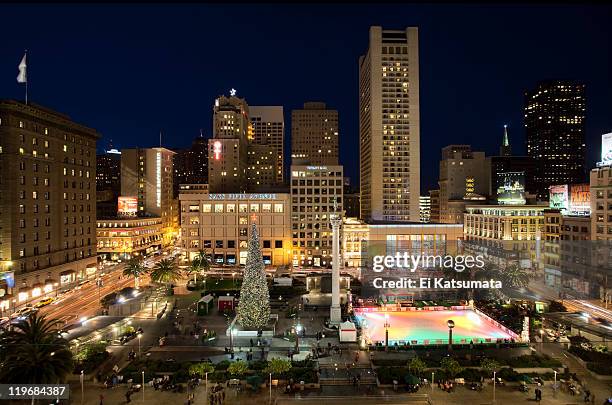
(506, 142)
(201, 134)
(160, 138)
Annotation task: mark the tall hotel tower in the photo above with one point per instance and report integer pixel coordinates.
(389, 128)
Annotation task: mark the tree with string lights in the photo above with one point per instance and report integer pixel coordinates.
(254, 305)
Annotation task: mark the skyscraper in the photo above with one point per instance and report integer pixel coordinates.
(147, 174)
(191, 165)
(268, 127)
(464, 176)
(314, 135)
(389, 127)
(47, 201)
(555, 131)
(108, 182)
(227, 151)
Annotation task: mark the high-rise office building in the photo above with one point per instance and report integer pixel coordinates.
(262, 169)
(228, 149)
(314, 192)
(268, 128)
(108, 182)
(191, 164)
(464, 176)
(507, 163)
(147, 174)
(389, 128)
(555, 133)
(314, 135)
(47, 202)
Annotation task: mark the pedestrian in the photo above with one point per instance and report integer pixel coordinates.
(101, 399)
(127, 397)
(251, 341)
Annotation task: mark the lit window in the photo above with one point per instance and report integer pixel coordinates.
(206, 208)
(231, 208)
(218, 207)
(278, 208)
(254, 207)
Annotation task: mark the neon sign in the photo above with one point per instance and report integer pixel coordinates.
(217, 150)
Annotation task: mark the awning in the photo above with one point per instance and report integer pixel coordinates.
(50, 281)
(6, 297)
(37, 285)
(66, 272)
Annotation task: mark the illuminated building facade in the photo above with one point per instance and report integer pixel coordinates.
(314, 189)
(227, 150)
(220, 224)
(389, 126)
(601, 203)
(262, 170)
(108, 182)
(555, 131)
(191, 164)
(464, 177)
(47, 202)
(124, 238)
(147, 173)
(425, 208)
(505, 234)
(314, 135)
(268, 126)
(434, 197)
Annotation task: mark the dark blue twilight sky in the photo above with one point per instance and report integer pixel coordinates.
(129, 71)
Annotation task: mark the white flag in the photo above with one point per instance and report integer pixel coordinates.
(23, 74)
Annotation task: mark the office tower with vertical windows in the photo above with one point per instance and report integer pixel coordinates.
(464, 177)
(262, 169)
(314, 135)
(268, 128)
(555, 133)
(228, 149)
(389, 126)
(47, 202)
(434, 197)
(314, 191)
(108, 182)
(147, 174)
(191, 164)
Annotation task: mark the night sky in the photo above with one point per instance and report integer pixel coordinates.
(129, 71)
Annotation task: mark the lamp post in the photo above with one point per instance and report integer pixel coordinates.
(387, 326)
(555, 384)
(451, 324)
(139, 335)
(82, 387)
(143, 384)
(270, 388)
(541, 339)
(298, 329)
(232, 342)
(494, 381)
(432, 379)
(206, 389)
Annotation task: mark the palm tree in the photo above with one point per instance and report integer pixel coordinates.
(135, 268)
(166, 271)
(514, 276)
(198, 264)
(33, 352)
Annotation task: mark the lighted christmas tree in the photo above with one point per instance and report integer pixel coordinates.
(254, 306)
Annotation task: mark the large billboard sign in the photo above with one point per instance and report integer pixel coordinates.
(572, 199)
(559, 197)
(606, 150)
(127, 206)
(580, 199)
(511, 190)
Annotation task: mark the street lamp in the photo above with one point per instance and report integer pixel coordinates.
(451, 324)
(387, 326)
(494, 380)
(555, 384)
(232, 342)
(143, 400)
(541, 339)
(298, 330)
(432, 379)
(270, 388)
(139, 336)
(206, 389)
(82, 386)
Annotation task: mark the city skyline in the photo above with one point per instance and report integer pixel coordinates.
(168, 71)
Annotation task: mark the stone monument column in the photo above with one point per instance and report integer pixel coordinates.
(335, 313)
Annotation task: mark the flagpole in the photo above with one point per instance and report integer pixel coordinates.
(26, 83)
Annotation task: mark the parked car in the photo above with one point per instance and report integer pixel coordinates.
(23, 312)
